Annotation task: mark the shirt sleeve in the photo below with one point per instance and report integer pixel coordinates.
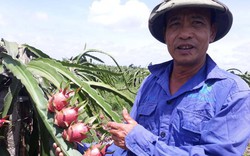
(114, 150)
(82, 147)
(227, 133)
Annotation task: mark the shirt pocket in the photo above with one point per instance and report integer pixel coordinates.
(147, 115)
(188, 126)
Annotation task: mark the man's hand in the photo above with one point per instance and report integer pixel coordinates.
(120, 130)
(58, 151)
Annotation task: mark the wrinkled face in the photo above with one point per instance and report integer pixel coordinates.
(188, 34)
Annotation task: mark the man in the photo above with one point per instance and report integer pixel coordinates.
(187, 106)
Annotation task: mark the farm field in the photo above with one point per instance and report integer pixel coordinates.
(31, 81)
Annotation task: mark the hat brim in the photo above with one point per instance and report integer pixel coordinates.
(157, 21)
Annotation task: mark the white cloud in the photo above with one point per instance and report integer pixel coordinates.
(3, 22)
(113, 14)
(229, 54)
(41, 16)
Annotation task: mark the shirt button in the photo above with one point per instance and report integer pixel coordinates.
(163, 134)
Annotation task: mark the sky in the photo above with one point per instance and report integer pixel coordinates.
(62, 28)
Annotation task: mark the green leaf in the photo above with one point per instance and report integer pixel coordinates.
(35, 51)
(85, 67)
(19, 70)
(46, 71)
(11, 96)
(85, 87)
(11, 47)
(111, 89)
(1, 68)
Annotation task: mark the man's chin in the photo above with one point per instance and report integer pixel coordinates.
(185, 63)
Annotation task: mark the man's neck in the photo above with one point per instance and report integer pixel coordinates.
(181, 74)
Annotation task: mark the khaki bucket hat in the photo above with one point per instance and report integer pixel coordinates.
(222, 16)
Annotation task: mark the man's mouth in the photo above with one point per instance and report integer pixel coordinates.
(185, 47)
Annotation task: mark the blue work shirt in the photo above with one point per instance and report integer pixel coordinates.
(208, 115)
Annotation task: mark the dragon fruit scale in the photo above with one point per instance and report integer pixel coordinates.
(66, 116)
(76, 132)
(59, 100)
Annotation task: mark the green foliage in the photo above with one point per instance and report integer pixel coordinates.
(27, 72)
(245, 76)
(27, 68)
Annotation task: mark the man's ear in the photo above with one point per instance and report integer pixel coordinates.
(213, 33)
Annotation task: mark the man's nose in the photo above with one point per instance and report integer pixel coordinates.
(186, 32)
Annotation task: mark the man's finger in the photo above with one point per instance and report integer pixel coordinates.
(61, 154)
(113, 125)
(58, 151)
(127, 117)
(54, 145)
(113, 132)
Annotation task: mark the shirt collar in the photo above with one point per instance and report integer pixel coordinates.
(212, 70)
(208, 72)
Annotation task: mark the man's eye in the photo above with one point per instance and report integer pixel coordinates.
(174, 24)
(198, 23)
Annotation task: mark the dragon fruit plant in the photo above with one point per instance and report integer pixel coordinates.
(76, 132)
(28, 76)
(66, 117)
(97, 150)
(66, 114)
(59, 100)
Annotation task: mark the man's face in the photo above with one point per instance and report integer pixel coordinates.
(188, 34)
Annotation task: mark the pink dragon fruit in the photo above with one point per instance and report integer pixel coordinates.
(59, 100)
(4, 120)
(66, 116)
(96, 150)
(76, 132)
